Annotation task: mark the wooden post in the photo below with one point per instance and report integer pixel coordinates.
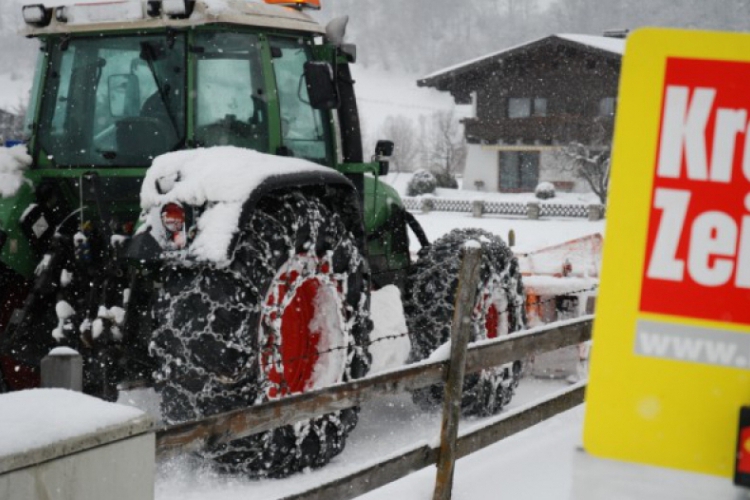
(468, 279)
(63, 368)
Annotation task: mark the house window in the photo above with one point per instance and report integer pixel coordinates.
(607, 106)
(519, 170)
(540, 106)
(523, 107)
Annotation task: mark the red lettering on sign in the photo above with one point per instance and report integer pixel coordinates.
(698, 250)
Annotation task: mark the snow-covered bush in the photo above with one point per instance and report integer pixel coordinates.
(422, 182)
(545, 191)
(446, 180)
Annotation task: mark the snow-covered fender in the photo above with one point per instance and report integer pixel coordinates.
(219, 188)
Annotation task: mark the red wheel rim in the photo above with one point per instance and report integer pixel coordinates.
(299, 344)
(492, 322)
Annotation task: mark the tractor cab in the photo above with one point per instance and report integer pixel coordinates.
(116, 94)
(120, 83)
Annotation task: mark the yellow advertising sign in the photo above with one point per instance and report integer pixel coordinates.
(671, 357)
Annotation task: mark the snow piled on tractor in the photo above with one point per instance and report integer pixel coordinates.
(389, 342)
(221, 179)
(13, 162)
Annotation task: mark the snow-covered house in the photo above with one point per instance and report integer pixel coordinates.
(530, 102)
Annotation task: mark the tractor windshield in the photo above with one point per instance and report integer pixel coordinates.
(114, 101)
(230, 98)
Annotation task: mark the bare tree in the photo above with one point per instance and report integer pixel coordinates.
(592, 164)
(402, 131)
(447, 148)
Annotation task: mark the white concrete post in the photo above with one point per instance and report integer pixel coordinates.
(533, 210)
(63, 368)
(596, 212)
(477, 208)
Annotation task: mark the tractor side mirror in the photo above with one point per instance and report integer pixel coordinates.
(124, 96)
(321, 85)
(383, 154)
(350, 51)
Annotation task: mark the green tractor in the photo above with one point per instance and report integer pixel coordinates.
(192, 209)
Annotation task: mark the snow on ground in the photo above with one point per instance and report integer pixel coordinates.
(534, 464)
(531, 235)
(38, 418)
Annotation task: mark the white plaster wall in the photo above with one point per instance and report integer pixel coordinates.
(123, 470)
(481, 165)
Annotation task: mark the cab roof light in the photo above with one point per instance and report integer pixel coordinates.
(153, 8)
(61, 14)
(37, 15)
(297, 4)
(178, 9)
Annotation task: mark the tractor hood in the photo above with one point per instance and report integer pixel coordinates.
(217, 182)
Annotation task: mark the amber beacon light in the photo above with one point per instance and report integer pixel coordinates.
(299, 4)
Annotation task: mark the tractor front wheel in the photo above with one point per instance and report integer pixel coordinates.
(429, 304)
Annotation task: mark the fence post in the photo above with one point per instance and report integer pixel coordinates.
(596, 212)
(533, 210)
(477, 208)
(63, 368)
(468, 279)
(428, 205)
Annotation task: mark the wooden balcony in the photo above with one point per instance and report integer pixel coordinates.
(558, 129)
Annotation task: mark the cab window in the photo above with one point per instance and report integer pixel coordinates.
(305, 131)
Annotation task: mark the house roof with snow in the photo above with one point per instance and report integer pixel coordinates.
(608, 47)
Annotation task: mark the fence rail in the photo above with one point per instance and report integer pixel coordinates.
(190, 436)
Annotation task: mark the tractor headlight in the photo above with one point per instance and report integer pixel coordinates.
(173, 217)
(37, 15)
(173, 220)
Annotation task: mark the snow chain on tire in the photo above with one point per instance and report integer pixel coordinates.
(429, 306)
(219, 333)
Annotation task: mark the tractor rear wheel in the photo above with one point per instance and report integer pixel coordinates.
(289, 314)
(499, 310)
